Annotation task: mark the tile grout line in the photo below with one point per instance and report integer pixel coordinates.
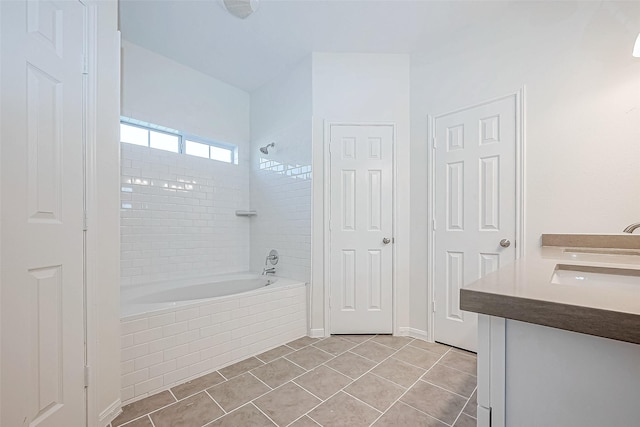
(465, 405)
(391, 381)
(446, 389)
(256, 377)
(148, 413)
(301, 417)
(456, 369)
(216, 402)
(290, 361)
(407, 390)
(353, 381)
(363, 402)
(424, 413)
(322, 401)
(199, 391)
(263, 413)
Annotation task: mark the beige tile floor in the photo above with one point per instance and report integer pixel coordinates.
(343, 380)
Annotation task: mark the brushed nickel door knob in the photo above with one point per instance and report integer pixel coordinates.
(505, 243)
(386, 240)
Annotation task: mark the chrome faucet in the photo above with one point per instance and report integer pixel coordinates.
(273, 257)
(631, 228)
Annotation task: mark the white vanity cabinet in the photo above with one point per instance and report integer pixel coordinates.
(537, 376)
(559, 335)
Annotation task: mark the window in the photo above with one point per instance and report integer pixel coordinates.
(145, 134)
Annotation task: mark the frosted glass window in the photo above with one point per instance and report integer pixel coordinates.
(164, 141)
(196, 149)
(134, 135)
(221, 154)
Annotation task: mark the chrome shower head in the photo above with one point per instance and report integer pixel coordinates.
(265, 149)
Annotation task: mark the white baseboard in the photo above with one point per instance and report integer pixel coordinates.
(110, 413)
(316, 333)
(413, 333)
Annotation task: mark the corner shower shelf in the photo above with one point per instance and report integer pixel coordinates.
(246, 213)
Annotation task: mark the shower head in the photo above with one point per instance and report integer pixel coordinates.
(265, 149)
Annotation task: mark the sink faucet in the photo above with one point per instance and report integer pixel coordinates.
(631, 228)
(266, 271)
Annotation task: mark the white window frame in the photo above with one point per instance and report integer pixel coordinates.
(182, 138)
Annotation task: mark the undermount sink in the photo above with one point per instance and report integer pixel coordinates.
(580, 275)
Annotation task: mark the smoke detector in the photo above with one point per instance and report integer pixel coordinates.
(240, 8)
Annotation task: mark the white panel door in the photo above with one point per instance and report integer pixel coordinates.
(475, 208)
(361, 229)
(42, 214)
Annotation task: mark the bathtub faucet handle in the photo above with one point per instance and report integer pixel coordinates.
(273, 257)
(266, 271)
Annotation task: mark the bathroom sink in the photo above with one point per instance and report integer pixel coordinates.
(581, 275)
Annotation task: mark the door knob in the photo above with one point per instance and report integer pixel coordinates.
(505, 243)
(386, 240)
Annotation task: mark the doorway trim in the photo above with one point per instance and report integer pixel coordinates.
(326, 185)
(519, 96)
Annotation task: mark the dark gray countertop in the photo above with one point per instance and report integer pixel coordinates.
(524, 291)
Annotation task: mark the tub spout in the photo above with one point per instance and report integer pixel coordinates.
(266, 271)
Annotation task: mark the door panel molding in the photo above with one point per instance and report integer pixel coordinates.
(454, 141)
(374, 151)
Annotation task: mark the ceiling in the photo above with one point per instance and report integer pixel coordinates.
(248, 53)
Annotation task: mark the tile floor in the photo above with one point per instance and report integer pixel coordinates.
(343, 380)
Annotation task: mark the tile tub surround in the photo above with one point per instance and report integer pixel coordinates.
(281, 189)
(338, 387)
(178, 216)
(164, 348)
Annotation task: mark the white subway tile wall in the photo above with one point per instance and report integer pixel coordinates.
(178, 216)
(169, 348)
(281, 194)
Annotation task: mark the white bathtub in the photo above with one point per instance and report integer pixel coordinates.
(140, 299)
(177, 330)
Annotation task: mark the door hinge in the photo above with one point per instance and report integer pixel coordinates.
(85, 64)
(87, 375)
(433, 306)
(433, 224)
(85, 221)
(433, 142)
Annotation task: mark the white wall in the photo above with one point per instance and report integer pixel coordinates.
(281, 180)
(582, 120)
(161, 91)
(171, 232)
(360, 88)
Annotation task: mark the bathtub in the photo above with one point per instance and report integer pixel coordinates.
(174, 331)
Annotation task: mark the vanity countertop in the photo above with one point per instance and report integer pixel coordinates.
(529, 289)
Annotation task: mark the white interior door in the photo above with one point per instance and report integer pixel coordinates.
(361, 225)
(475, 208)
(42, 213)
